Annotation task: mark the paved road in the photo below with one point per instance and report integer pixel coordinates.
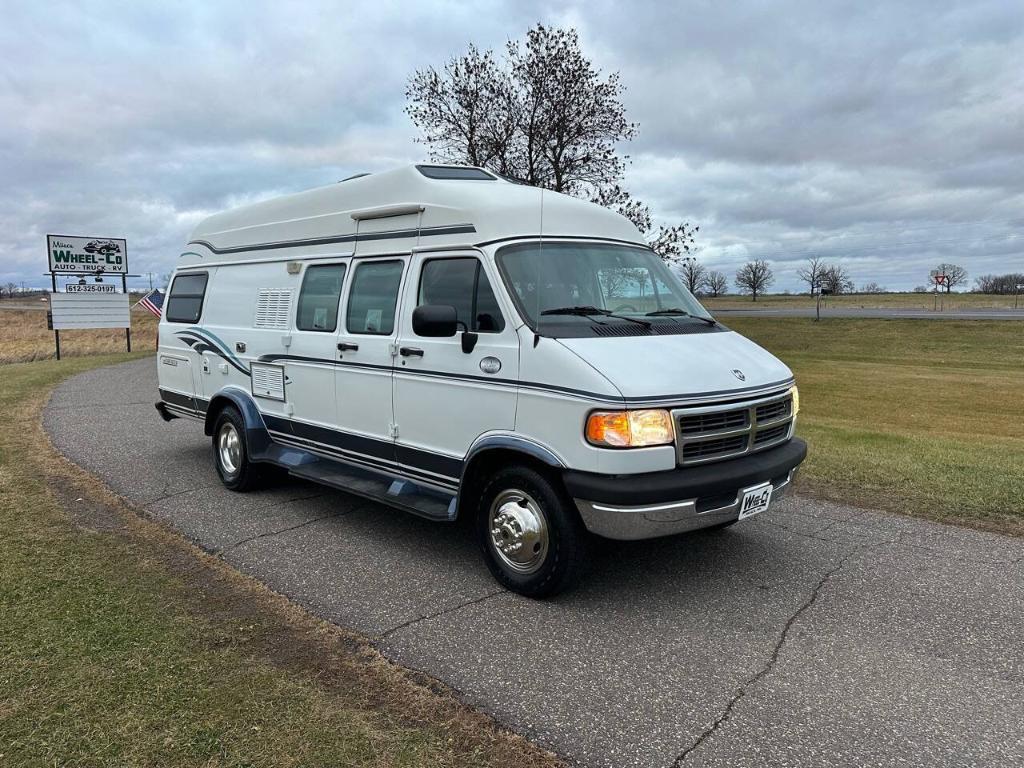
(884, 314)
(812, 635)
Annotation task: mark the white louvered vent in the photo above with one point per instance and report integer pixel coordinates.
(267, 381)
(273, 307)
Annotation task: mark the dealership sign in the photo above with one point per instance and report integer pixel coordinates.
(87, 255)
(89, 310)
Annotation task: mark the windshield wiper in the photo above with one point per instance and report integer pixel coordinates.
(589, 312)
(681, 313)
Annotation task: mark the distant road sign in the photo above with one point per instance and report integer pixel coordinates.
(72, 255)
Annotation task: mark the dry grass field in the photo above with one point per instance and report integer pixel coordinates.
(24, 337)
(919, 417)
(919, 301)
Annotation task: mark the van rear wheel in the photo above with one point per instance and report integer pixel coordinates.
(531, 536)
(231, 455)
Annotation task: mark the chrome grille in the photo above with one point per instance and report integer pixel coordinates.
(773, 411)
(711, 433)
(714, 448)
(713, 422)
(771, 434)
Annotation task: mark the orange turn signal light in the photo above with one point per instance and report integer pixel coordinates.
(629, 429)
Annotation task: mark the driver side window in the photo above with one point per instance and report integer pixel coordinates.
(463, 284)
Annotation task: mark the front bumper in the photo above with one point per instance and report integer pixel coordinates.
(657, 504)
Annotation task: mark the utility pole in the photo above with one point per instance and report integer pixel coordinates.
(150, 276)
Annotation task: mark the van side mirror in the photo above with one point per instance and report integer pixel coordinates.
(434, 320)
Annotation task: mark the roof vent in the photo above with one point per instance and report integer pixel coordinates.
(461, 172)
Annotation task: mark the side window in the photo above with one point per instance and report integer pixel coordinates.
(319, 297)
(373, 297)
(462, 283)
(185, 299)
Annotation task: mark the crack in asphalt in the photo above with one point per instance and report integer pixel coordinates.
(442, 612)
(224, 550)
(814, 535)
(166, 495)
(770, 663)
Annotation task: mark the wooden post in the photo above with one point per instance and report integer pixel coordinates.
(56, 332)
(128, 330)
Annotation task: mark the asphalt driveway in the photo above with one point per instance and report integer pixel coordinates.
(812, 635)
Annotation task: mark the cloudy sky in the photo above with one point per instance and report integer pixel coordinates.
(889, 136)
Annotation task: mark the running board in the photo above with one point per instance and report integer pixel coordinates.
(395, 492)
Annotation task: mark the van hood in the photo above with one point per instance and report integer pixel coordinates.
(664, 368)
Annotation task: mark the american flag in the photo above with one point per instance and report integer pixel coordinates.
(153, 302)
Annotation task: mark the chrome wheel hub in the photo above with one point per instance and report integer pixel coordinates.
(229, 448)
(519, 531)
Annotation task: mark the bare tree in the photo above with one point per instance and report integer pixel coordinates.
(693, 274)
(754, 278)
(836, 279)
(811, 274)
(717, 284)
(544, 115)
(12, 289)
(955, 275)
(1000, 284)
(872, 288)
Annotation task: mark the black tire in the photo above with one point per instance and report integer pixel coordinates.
(556, 559)
(233, 465)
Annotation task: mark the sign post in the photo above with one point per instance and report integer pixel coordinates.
(939, 278)
(1016, 296)
(94, 306)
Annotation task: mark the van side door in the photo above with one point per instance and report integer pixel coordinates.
(446, 398)
(310, 360)
(362, 432)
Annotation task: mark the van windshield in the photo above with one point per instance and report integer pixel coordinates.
(563, 288)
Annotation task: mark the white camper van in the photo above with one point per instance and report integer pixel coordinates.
(454, 344)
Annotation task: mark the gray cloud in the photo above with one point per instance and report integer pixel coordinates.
(889, 137)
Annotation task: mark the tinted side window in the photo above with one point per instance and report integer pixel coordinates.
(318, 299)
(185, 299)
(373, 297)
(463, 284)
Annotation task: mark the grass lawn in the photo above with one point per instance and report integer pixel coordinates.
(953, 301)
(122, 645)
(915, 416)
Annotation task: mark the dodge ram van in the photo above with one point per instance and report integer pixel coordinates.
(456, 345)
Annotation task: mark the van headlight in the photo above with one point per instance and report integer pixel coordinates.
(629, 429)
(796, 399)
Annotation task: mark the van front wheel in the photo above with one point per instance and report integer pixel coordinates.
(231, 455)
(531, 536)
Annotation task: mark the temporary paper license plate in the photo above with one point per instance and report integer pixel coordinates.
(756, 500)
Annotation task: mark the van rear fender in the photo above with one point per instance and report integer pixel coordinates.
(494, 452)
(257, 439)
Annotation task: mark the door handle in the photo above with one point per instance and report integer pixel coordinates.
(347, 347)
(410, 352)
